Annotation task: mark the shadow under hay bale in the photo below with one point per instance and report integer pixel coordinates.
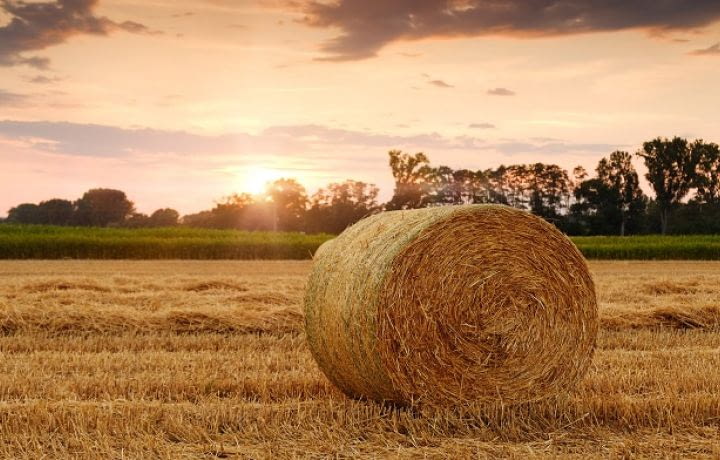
(451, 305)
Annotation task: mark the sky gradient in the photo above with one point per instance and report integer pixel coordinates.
(182, 102)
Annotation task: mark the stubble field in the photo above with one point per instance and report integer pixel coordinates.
(130, 359)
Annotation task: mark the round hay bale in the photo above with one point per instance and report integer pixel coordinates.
(322, 249)
(447, 305)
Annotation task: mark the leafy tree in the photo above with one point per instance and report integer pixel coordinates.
(229, 213)
(50, 212)
(707, 180)
(137, 220)
(612, 202)
(166, 217)
(289, 201)
(696, 218)
(619, 176)
(202, 219)
(579, 174)
(541, 188)
(441, 187)
(56, 212)
(237, 211)
(101, 207)
(411, 174)
(25, 213)
(671, 166)
(549, 187)
(340, 205)
(498, 184)
(461, 186)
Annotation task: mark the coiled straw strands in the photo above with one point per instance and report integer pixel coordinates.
(447, 305)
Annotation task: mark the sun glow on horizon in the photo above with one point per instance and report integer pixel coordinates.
(256, 179)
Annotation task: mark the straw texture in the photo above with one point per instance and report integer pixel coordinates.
(447, 305)
(322, 248)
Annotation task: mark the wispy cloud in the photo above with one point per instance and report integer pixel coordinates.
(440, 84)
(43, 79)
(481, 125)
(292, 141)
(183, 14)
(500, 92)
(713, 50)
(10, 99)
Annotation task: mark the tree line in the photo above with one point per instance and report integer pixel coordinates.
(684, 175)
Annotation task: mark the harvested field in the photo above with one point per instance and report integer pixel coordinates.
(208, 359)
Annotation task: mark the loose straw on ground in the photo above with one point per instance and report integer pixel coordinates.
(447, 305)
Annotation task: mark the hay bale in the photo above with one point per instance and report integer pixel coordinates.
(452, 304)
(322, 249)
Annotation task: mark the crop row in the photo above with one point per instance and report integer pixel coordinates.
(47, 242)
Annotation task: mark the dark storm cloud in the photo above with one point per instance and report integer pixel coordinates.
(39, 25)
(500, 92)
(713, 50)
(368, 25)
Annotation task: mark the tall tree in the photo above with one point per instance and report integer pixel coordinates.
(228, 213)
(442, 188)
(671, 166)
(613, 200)
(50, 212)
(549, 186)
(707, 180)
(289, 202)
(101, 207)
(541, 188)
(238, 211)
(25, 213)
(411, 174)
(338, 206)
(619, 175)
(136, 220)
(166, 217)
(57, 212)
(499, 186)
(460, 186)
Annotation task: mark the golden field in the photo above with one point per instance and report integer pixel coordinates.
(117, 359)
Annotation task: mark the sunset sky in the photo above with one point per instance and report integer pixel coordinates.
(181, 102)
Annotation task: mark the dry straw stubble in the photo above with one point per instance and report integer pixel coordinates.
(451, 305)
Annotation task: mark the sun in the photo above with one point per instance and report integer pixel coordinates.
(256, 178)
